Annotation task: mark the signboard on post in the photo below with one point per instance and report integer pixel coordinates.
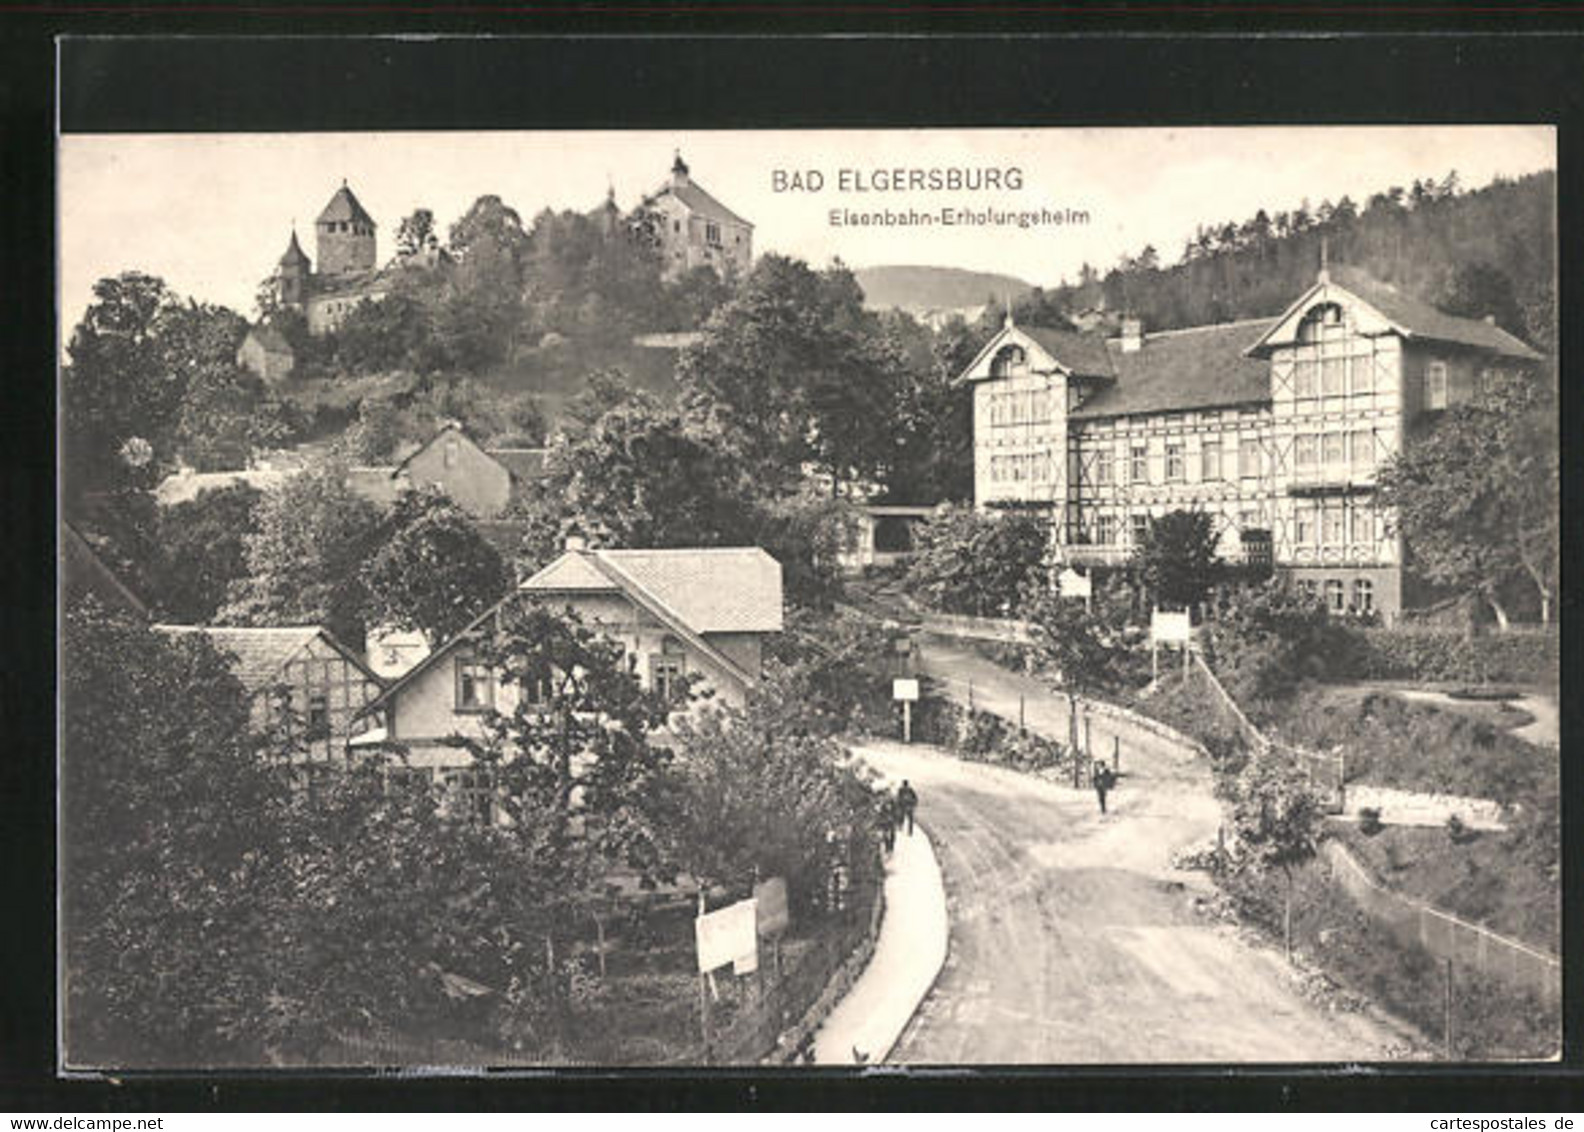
(727, 935)
(1070, 583)
(906, 691)
(1170, 628)
(771, 897)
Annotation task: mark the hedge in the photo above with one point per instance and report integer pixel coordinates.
(981, 736)
(1408, 654)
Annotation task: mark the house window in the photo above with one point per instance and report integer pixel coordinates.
(1307, 589)
(676, 225)
(1249, 459)
(1436, 385)
(1138, 464)
(1333, 525)
(452, 448)
(712, 234)
(1305, 452)
(1176, 470)
(1105, 530)
(667, 667)
(1333, 376)
(1323, 321)
(1364, 451)
(1304, 524)
(1363, 526)
(318, 716)
(1141, 525)
(1210, 460)
(1333, 595)
(470, 795)
(1104, 468)
(1011, 361)
(1334, 449)
(475, 687)
(1304, 377)
(1363, 595)
(1361, 377)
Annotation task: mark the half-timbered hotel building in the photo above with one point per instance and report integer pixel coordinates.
(1276, 426)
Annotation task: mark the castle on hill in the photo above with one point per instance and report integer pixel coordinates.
(346, 245)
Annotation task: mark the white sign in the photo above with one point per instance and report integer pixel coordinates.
(727, 935)
(904, 689)
(1170, 628)
(1070, 583)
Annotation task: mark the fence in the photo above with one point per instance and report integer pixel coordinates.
(979, 628)
(1325, 770)
(1445, 935)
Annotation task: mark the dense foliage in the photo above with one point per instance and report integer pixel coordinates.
(977, 562)
(1177, 560)
(203, 550)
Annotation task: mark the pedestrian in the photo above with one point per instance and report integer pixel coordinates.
(886, 817)
(1104, 779)
(907, 802)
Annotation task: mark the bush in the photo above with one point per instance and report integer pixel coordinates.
(1407, 654)
(981, 736)
(975, 562)
(1370, 821)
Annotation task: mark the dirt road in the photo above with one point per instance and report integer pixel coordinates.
(1072, 939)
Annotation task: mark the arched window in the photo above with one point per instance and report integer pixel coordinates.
(1010, 361)
(1324, 320)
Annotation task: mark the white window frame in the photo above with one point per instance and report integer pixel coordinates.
(1435, 385)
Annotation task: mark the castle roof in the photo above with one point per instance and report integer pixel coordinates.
(692, 197)
(294, 256)
(344, 206)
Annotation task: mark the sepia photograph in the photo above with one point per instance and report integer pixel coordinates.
(787, 598)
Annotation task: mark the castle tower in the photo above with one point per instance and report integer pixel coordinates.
(679, 172)
(291, 276)
(345, 235)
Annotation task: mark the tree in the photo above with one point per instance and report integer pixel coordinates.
(416, 233)
(1479, 290)
(227, 415)
(1278, 820)
(433, 571)
(373, 437)
(303, 561)
(394, 332)
(976, 562)
(1476, 494)
(1268, 638)
(203, 550)
(166, 815)
(1177, 558)
(757, 797)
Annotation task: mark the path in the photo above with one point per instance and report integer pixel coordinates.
(908, 955)
(1072, 939)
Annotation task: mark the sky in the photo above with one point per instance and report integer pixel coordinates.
(211, 213)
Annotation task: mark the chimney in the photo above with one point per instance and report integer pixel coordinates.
(679, 172)
(1490, 320)
(1132, 334)
(576, 543)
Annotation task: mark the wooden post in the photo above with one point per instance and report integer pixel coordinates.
(970, 697)
(907, 721)
(1021, 725)
(1154, 663)
(704, 1006)
(1088, 736)
(599, 928)
(1116, 752)
(1447, 1037)
(1072, 736)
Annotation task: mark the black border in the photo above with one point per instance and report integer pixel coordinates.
(1196, 67)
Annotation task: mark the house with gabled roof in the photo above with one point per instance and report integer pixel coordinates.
(1275, 426)
(696, 230)
(85, 573)
(483, 482)
(703, 612)
(299, 676)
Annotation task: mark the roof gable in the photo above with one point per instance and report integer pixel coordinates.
(571, 572)
(697, 201)
(1049, 348)
(726, 590)
(450, 428)
(262, 653)
(344, 205)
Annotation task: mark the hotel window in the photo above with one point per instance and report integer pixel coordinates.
(1362, 375)
(1364, 451)
(1435, 382)
(1334, 450)
(1010, 362)
(1105, 530)
(1333, 595)
(1333, 376)
(475, 688)
(318, 716)
(1304, 524)
(1363, 595)
(1210, 460)
(1363, 526)
(1304, 377)
(1307, 588)
(1141, 525)
(1138, 464)
(1323, 321)
(1249, 459)
(1333, 525)
(1176, 469)
(1104, 468)
(1306, 448)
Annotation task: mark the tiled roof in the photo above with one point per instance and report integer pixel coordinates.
(570, 572)
(1424, 321)
(261, 654)
(1083, 354)
(375, 484)
(344, 206)
(724, 590)
(1175, 370)
(698, 201)
(294, 254)
(527, 464)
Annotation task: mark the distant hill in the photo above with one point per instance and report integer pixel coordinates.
(919, 290)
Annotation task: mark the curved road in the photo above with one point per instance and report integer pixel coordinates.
(1072, 939)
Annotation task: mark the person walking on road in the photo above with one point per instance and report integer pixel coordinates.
(886, 817)
(1104, 779)
(907, 802)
